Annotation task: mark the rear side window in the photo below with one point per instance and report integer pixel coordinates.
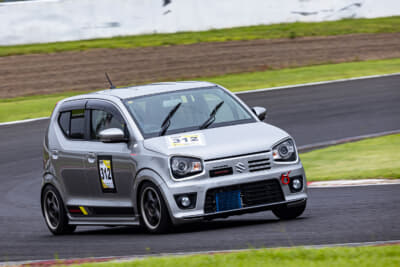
(72, 123)
(63, 120)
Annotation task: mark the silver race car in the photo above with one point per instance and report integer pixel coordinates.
(164, 154)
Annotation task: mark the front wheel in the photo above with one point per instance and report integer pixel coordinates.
(54, 212)
(153, 211)
(288, 213)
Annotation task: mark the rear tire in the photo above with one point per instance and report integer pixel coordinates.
(154, 215)
(289, 213)
(54, 212)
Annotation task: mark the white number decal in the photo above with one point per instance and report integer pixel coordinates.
(185, 140)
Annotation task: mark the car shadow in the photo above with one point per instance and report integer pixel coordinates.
(219, 224)
(198, 226)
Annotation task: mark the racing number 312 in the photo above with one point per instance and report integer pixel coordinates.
(106, 174)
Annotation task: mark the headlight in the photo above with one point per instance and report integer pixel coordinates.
(284, 151)
(182, 167)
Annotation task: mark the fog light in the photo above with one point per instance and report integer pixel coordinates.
(185, 201)
(296, 184)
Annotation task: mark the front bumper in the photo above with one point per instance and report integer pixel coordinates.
(258, 208)
(201, 185)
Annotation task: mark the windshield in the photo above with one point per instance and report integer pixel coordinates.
(149, 112)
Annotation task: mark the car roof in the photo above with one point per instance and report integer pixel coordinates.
(154, 88)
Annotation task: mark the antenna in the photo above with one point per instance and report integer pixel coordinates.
(109, 81)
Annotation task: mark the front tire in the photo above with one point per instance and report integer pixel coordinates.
(54, 212)
(289, 213)
(154, 214)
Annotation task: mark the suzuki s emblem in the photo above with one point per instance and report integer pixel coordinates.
(240, 167)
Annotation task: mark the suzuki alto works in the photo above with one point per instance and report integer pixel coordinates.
(163, 154)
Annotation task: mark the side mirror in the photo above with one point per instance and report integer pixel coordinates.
(260, 112)
(112, 135)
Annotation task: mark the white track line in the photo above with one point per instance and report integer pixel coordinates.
(180, 254)
(345, 140)
(355, 244)
(317, 83)
(254, 91)
(23, 121)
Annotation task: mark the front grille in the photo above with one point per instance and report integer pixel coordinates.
(251, 194)
(237, 156)
(221, 172)
(259, 165)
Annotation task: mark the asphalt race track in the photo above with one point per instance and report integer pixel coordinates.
(311, 114)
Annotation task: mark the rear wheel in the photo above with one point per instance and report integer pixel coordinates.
(154, 213)
(288, 213)
(54, 212)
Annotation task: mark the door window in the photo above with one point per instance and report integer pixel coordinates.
(101, 120)
(77, 130)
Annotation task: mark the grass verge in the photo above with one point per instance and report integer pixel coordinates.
(290, 76)
(297, 257)
(21, 108)
(285, 30)
(370, 158)
(41, 105)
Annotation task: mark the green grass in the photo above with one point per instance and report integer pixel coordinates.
(370, 158)
(40, 106)
(21, 108)
(290, 76)
(387, 256)
(285, 30)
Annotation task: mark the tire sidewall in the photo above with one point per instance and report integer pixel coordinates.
(165, 221)
(62, 227)
(289, 213)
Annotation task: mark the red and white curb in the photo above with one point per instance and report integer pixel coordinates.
(346, 183)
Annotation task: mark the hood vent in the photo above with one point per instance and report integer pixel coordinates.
(259, 165)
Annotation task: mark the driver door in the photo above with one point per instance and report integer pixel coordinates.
(110, 168)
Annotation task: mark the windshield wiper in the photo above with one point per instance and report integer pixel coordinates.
(167, 121)
(211, 118)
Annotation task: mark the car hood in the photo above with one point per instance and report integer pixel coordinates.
(219, 142)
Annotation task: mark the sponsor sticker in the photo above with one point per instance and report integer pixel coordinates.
(185, 140)
(106, 173)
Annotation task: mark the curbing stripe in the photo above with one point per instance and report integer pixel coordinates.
(255, 91)
(351, 183)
